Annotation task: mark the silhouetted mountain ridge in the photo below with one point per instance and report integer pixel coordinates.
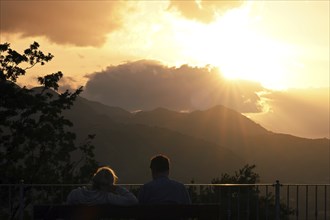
(202, 144)
(127, 146)
(218, 124)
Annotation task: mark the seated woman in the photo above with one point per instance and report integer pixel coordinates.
(103, 191)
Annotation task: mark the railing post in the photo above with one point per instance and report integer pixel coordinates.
(277, 200)
(21, 200)
(229, 203)
(10, 202)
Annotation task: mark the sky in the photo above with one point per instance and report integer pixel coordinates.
(266, 59)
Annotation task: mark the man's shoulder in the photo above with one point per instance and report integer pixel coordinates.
(177, 183)
(151, 184)
(163, 182)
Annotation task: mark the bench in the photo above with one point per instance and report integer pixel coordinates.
(141, 211)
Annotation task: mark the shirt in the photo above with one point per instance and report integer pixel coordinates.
(82, 195)
(164, 190)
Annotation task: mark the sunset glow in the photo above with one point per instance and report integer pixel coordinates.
(165, 109)
(239, 41)
(236, 48)
(277, 45)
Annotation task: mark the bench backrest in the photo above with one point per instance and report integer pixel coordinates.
(164, 211)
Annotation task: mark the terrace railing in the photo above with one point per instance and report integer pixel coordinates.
(270, 201)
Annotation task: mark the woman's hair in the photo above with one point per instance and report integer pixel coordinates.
(104, 177)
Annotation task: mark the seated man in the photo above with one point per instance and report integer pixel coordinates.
(161, 189)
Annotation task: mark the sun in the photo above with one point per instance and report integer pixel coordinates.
(238, 49)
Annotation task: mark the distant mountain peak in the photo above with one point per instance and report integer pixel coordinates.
(203, 142)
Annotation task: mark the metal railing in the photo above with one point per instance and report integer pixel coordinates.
(270, 201)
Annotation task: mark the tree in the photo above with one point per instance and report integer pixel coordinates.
(36, 143)
(239, 202)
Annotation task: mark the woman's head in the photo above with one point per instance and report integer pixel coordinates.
(103, 178)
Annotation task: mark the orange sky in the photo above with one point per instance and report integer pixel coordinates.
(280, 44)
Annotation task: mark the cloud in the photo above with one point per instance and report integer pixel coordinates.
(81, 23)
(68, 83)
(146, 85)
(203, 10)
(301, 112)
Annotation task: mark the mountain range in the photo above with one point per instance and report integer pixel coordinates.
(200, 144)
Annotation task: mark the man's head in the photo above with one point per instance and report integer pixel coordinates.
(160, 165)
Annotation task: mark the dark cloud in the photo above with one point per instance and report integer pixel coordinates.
(146, 85)
(82, 23)
(204, 10)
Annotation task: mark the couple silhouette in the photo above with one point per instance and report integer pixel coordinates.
(160, 190)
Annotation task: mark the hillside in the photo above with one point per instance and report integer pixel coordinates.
(219, 124)
(127, 147)
(202, 144)
(281, 156)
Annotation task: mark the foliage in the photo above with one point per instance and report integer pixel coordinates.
(36, 144)
(239, 202)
